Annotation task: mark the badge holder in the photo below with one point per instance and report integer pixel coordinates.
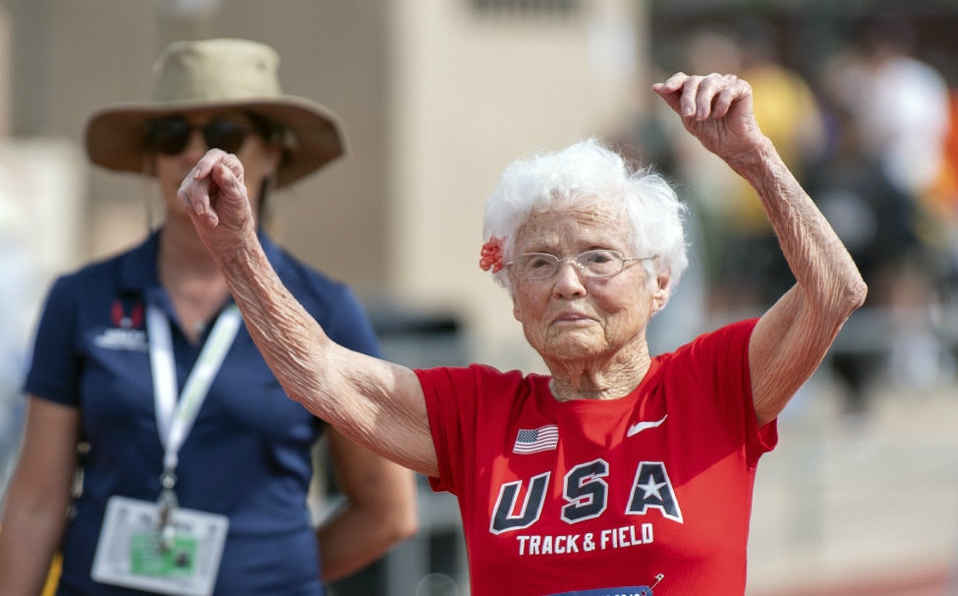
(160, 547)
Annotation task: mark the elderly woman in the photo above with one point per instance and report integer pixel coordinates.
(619, 472)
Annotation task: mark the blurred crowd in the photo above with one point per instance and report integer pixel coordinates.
(872, 132)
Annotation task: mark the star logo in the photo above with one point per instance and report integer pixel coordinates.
(651, 487)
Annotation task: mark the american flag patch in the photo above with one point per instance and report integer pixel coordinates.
(539, 439)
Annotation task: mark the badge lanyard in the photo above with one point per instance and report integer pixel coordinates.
(174, 419)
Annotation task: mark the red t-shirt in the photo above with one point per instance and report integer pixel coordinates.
(604, 497)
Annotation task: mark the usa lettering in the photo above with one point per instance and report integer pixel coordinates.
(608, 539)
(585, 492)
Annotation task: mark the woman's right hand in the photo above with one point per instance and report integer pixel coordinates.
(215, 197)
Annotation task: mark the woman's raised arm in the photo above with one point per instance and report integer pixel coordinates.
(792, 337)
(378, 404)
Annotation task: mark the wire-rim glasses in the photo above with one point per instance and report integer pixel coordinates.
(600, 263)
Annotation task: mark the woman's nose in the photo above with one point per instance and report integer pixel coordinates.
(569, 280)
(196, 145)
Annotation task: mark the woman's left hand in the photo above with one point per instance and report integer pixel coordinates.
(793, 336)
(716, 109)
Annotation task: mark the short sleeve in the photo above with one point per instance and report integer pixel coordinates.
(450, 397)
(462, 429)
(720, 362)
(55, 362)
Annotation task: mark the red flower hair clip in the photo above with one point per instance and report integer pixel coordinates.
(491, 255)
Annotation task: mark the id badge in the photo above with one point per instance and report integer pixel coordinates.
(130, 553)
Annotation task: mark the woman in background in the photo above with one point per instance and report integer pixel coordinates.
(196, 476)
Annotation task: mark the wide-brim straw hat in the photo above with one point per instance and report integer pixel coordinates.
(217, 73)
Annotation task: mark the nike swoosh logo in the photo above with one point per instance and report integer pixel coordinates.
(640, 426)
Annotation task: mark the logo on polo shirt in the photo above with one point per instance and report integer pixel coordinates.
(123, 320)
(127, 331)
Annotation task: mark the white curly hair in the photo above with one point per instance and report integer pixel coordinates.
(589, 173)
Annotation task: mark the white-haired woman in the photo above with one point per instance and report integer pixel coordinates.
(618, 472)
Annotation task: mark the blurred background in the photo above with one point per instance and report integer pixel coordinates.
(437, 96)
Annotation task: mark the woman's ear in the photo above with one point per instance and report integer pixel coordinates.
(660, 295)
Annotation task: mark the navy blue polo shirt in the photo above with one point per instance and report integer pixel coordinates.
(248, 455)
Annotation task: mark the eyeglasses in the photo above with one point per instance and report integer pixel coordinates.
(170, 136)
(538, 266)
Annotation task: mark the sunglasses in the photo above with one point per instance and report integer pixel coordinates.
(170, 136)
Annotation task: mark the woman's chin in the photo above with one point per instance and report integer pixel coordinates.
(573, 346)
